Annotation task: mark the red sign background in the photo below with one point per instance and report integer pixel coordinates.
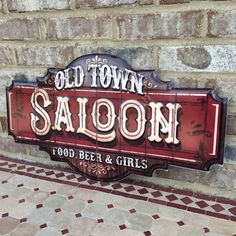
(200, 130)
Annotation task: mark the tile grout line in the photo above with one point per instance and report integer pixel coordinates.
(117, 192)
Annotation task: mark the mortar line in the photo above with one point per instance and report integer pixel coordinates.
(119, 11)
(129, 43)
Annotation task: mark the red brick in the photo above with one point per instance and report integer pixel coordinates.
(46, 56)
(111, 3)
(222, 24)
(21, 29)
(161, 26)
(37, 5)
(80, 28)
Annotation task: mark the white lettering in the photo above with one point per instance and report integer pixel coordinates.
(105, 76)
(82, 124)
(140, 120)
(38, 109)
(110, 115)
(167, 127)
(163, 118)
(94, 74)
(63, 115)
(78, 77)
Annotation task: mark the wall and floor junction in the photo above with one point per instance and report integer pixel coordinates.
(192, 43)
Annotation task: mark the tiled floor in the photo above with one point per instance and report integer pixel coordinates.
(38, 200)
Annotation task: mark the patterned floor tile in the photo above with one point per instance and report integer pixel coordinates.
(41, 216)
(85, 194)
(222, 226)
(74, 205)
(61, 221)
(94, 211)
(48, 232)
(25, 229)
(8, 224)
(54, 201)
(117, 217)
(22, 210)
(139, 222)
(6, 204)
(164, 227)
(67, 190)
(83, 226)
(60, 202)
(108, 230)
(190, 230)
(37, 197)
(6, 188)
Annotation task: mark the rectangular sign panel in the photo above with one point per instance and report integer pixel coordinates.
(107, 120)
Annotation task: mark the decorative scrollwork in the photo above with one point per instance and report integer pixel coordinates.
(149, 84)
(97, 168)
(96, 60)
(50, 80)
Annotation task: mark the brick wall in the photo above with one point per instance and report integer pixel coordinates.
(192, 43)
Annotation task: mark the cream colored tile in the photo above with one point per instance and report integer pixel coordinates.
(146, 207)
(197, 220)
(95, 211)
(85, 194)
(108, 230)
(139, 222)
(170, 213)
(67, 190)
(82, 226)
(74, 205)
(20, 192)
(5, 176)
(8, 224)
(117, 217)
(23, 210)
(117, 201)
(37, 197)
(61, 220)
(7, 204)
(41, 216)
(190, 230)
(54, 201)
(25, 229)
(222, 226)
(163, 227)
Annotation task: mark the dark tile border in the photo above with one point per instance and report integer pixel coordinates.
(137, 196)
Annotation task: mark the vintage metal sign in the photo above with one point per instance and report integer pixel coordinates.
(107, 120)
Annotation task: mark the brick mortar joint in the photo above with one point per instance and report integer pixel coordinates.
(43, 31)
(178, 42)
(155, 56)
(194, 75)
(115, 28)
(117, 11)
(14, 55)
(204, 30)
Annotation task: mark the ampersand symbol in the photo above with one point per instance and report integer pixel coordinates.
(108, 159)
